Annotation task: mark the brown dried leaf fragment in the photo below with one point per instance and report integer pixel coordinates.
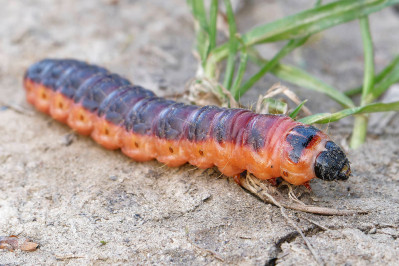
(12, 243)
(9, 243)
(28, 246)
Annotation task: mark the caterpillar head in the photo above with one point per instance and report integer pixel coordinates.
(332, 163)
(308, 153)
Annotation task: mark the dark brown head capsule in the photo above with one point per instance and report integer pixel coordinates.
(332, 164)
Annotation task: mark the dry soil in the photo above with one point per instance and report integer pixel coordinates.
(86, 205)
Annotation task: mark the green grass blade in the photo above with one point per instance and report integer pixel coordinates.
(241, 69)
(301, 78)
(307, 22)
(213, 24)
(233, 43)
(368, 80)
(354, 91)
(294, 113)
(200, 13)
(291, 45)
(378, 78)
(314, 20)
(390, 79)
(201, 28)
(361, 121)
(324, 118)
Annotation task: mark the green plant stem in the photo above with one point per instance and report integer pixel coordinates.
(359, 131)
(361, 121)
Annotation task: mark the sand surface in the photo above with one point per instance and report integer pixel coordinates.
(87, 205)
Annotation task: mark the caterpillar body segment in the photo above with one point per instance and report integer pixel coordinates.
(117, 114)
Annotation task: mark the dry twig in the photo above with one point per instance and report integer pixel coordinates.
(289, 220)
(264, 190)
(17, 108)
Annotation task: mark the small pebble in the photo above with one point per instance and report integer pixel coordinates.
(113, 177)
(373, 230)
(68, 139)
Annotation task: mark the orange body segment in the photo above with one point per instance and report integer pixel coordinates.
(230, 158)
(60, 107)
(81, 120)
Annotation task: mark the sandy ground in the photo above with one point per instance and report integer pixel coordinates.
(86, 205)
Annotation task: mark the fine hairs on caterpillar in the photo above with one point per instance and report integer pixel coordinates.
(119, 115)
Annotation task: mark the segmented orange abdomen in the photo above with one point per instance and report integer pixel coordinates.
(118, 114)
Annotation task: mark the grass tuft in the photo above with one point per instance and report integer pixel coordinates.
(295, 29)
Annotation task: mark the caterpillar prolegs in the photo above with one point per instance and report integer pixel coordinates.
(117, 114)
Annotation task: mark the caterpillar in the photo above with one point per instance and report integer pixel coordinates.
(120, 115)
